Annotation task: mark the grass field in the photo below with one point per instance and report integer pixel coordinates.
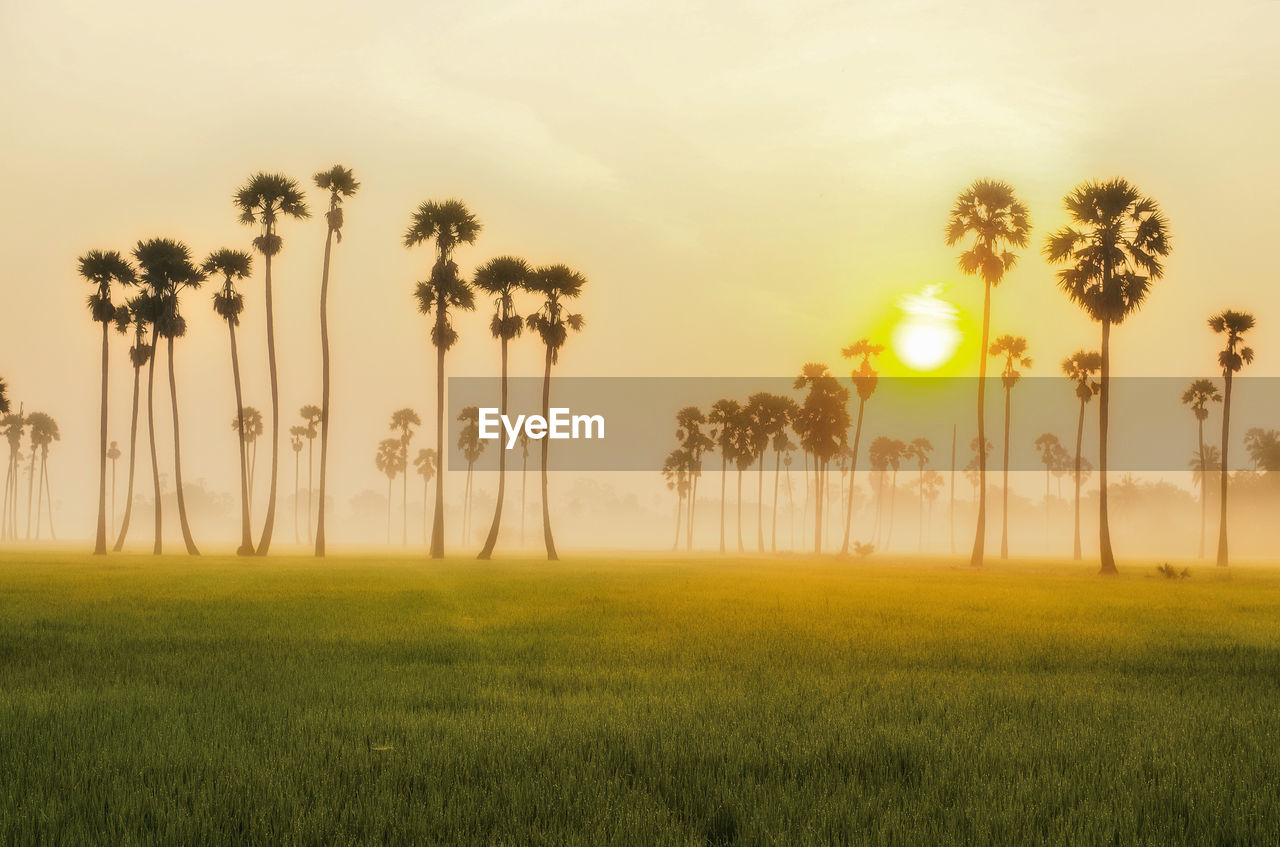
(634, 701)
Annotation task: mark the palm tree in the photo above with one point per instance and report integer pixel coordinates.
(388, 460)
(1203, 464)
(695, 443)
(448, 224)
(13, 424)
(788, 447)
(133, 314)
(312, 421)
(403, 420)
(895, 453)
(778, 412)
(248, 425)
(425, 463)
(768, 416)
(340, 182)
(1051, 453)
(919, 449)
(167, 270)
(555, 284)
(1231, 358)
(44, 431)
(472, 447)
(992, 214)
(101, 268)
(228, 303)
(1014, 350)
(675, 470)
(879, 454)
(723, 418)
(262, 201)
(113, 453)
(865, 380)
(501, 278)
(149, 309)
(1081, 367)
(930, 486)
(1199, 394)
(524, 475)
(1113, 253)
(822, 424)
(297, 434)
(1263, 447)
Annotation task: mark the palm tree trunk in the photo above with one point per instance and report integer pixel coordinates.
(324, 402)
(524, 488)
(311, 506)
(491, 540)
(100, 537)
(466, 506)
(724, 475)
(819, 468)
(246, 531)
(741, 549)
(980, 533)
(1004, 479)
(693, 499)
(853, 469)
(1204, 476)
(426, 481)
(388, 509)
(760, 505)
(31, 478)
(791, 510)
(953, 489)
(404, 497)
(679, 513)
(253, 469)
(269, 525)
(546, 510)
(1078, 554)
(777, 472)
(113, 496)
(158, 542)
(1223, 476)
(893, 496)
(39, 492)
(437, 519)
(920, 528)
(1108, 559)
(297, 492)
(48, 493)
(133, 455)
(177, 459)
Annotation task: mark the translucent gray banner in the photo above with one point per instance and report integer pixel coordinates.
(1151, 429)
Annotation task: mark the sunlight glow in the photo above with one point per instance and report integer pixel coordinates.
(926, 336)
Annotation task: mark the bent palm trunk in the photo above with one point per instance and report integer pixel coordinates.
(1223, 476)
(437, 521)
(100, 538)
(1004, 480)
(980, 533)
(324, 399)
(133, 455)
(158, 545)
(268, 526)
(491, 540)
(853, 469)
(546, 511)
(246, 531)
(1108, 559)
(177, 460)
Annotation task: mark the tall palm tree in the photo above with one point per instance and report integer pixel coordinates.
(675, 470)
(1081, 367)
(1051, 452)
(101, 268)
(865, 380)
(1112, 252)
(723, 418)
(297, 435)
(149, 309)
(262, 201)
(12, 424)
(768, 416)
(134, 315)
(784, 410)
(113, 453)
(695, 443)
(471, 447)
(247, 424)
(1199, 394)
(425, 463)
(167, 271)
(1013, 349)
(1202, 465)
(822, 425)
(43, 432)
(919, 449)
(879, 454)
(340, 182)
(448, 224)
(312, 421)
(555, 284)
(990, 214)
(1233, 356)
(388, 460)
(930, 486)
(4, 397)
(228, 303)
(501, 278)
(403, 421)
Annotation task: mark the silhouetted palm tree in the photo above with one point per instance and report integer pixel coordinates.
(43, 432)
(769, 415)
(1052, 455)
(388, 460)
(919, 449)
(113, 453)
(1197, 397)
(1263, 446)
(555, 284)
(501, 278)
(695, 443)
(403, 421)
(448, 224)
(262, 201)
(822, 425)
(724, 419)
(425, 463)
(990, 212)
(135, 314)
(1113, 251)
(101, 268)
(248, 425)
(471, 447)
(297, 435)
(1234, 356)
(879, 454)
(675, 470)
(930, 486)
(228, 303)
(865, 380)
(340, 182)
(1202, 465)
(1081, 367)
(1013, 349)
(312, 418)
(12, 424)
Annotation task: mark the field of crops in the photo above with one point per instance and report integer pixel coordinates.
(634, 700)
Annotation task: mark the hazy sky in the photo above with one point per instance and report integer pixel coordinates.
(747, 186)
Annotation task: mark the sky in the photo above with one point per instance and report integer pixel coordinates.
(746, 186)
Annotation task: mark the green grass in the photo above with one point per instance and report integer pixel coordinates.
(634, 701)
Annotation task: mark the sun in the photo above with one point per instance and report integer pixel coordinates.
(926, 336)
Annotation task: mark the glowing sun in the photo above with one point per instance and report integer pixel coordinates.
(926, 336)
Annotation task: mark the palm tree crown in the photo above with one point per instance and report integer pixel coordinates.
(555, 283)
(1198, 395)
(1234, 325)
(502, 278)
(1080, 367)
(263, 199)
(1014, 349)
(991, 213)
(232, 265)
(448, 223)
(101, 268)
(340, 182)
